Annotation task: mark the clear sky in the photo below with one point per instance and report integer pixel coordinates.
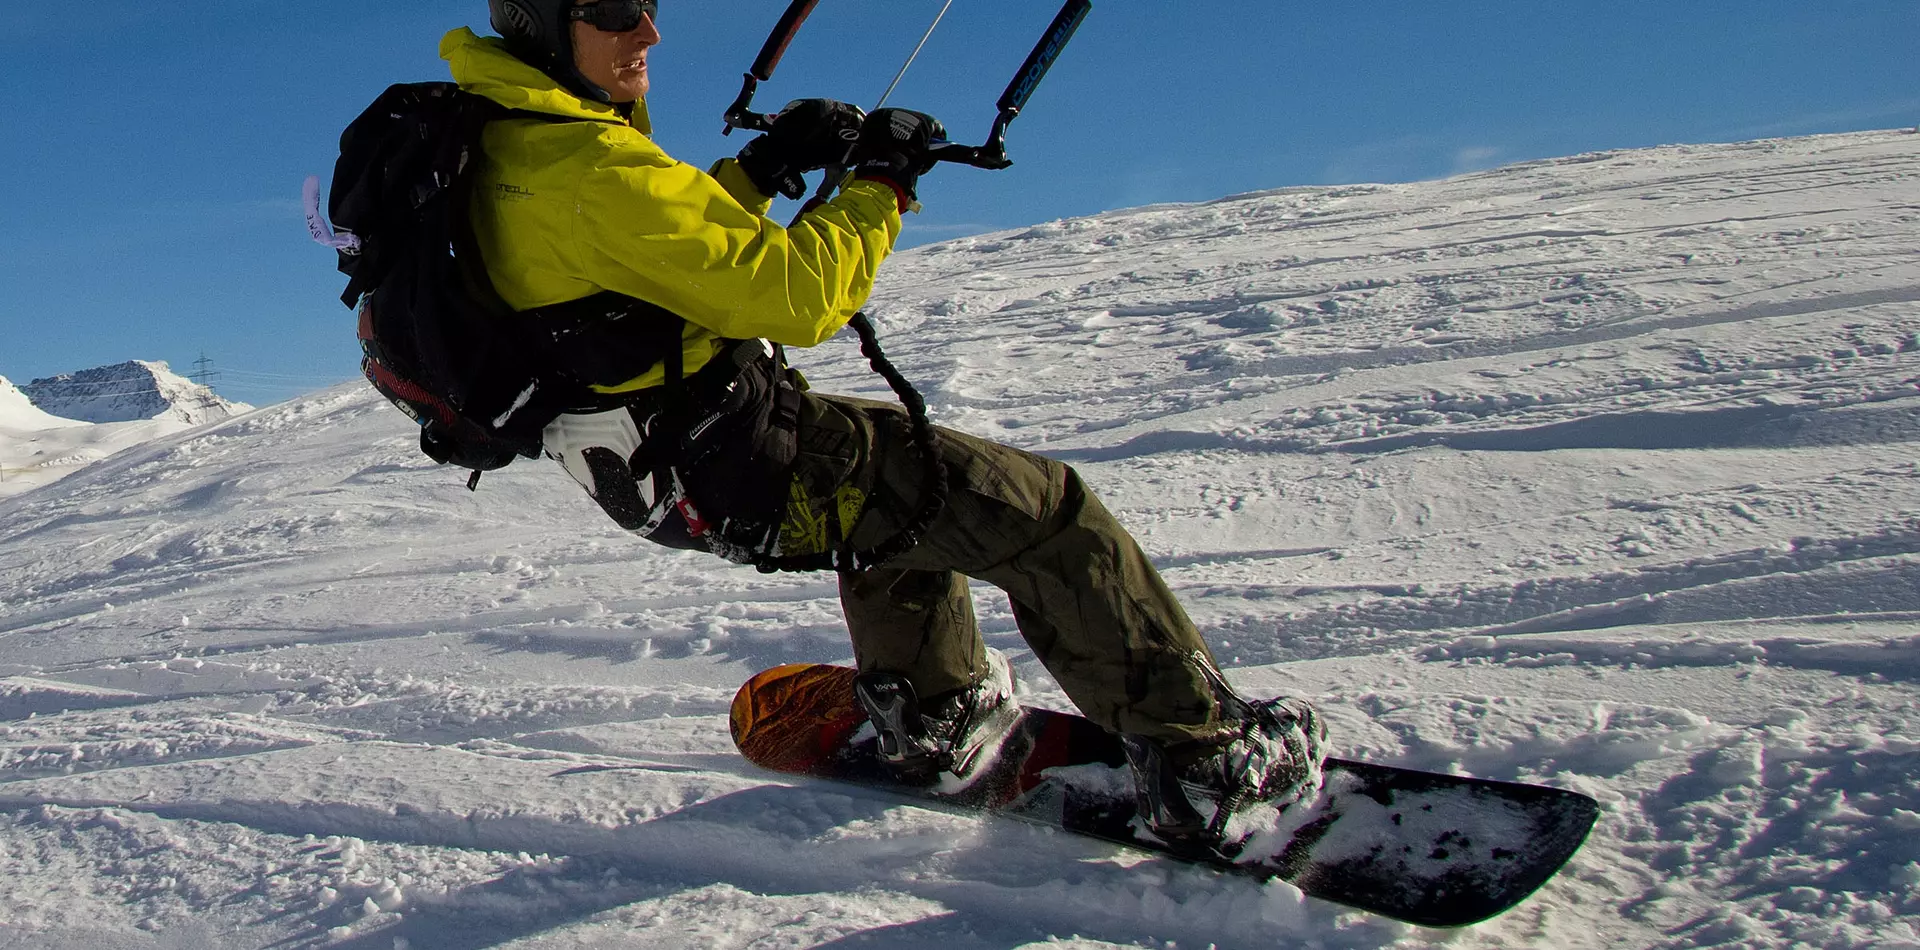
(151, 151)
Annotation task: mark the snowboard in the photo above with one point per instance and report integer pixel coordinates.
(1422, 847)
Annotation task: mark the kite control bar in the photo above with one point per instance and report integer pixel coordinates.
(992, 155)
(740, 115)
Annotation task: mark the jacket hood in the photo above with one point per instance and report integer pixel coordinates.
(483, 65)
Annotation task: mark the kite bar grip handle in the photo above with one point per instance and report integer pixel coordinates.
(740, 115)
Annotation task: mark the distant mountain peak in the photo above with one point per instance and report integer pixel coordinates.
(127, 392)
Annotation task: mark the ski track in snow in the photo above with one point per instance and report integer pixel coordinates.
(1598, 472)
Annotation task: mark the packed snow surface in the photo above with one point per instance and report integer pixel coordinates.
(1597, 472)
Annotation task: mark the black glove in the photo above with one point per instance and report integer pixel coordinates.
(894, 147)
(807, 135)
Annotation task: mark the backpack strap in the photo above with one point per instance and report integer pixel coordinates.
(605, 339)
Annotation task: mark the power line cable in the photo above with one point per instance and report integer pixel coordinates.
(250, 372)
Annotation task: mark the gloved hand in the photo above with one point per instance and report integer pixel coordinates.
(894, 147)
(807, 135)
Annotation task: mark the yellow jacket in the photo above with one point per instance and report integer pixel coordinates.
(565, 210)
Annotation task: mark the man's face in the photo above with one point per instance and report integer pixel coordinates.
(616, 62)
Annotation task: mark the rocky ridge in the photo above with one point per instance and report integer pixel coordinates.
(127, 392)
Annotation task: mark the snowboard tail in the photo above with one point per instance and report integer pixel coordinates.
(1421, 847)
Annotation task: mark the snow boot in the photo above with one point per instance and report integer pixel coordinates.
(1187, 793)
(920, 739)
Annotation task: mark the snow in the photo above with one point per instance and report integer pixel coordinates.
(33, 443)
(56, 426)
(19, 415)
(1598, 472)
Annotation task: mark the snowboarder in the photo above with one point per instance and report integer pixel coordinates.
(579, 201)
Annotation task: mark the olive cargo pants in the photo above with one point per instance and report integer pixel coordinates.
(1092, 608)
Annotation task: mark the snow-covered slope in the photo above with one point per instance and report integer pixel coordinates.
(130, 392)
(1598, 472)
(29, 440)
(19, 415)
(53, 427)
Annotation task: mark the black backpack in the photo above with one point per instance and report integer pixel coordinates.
(482, 380)
(437, 339)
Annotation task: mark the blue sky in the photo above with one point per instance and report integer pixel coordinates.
(153, 150)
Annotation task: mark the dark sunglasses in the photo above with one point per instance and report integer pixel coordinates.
(615, 16)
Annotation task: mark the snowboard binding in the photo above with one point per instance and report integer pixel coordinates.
(1189, 795)
(919, 741)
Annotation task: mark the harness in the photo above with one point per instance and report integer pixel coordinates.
(716, 451)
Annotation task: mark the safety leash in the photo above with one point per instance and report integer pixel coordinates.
(991, 156)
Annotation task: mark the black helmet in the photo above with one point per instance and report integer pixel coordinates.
(541, 34)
